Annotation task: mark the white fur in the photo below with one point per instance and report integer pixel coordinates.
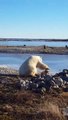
(29, 67)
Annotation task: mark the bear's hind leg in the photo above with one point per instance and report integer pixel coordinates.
(33, 72)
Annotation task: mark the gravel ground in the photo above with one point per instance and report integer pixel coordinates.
(8, 70)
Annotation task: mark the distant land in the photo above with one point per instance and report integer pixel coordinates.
(30, 39)
(34, 49)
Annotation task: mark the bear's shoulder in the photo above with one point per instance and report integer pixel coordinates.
(34, 56)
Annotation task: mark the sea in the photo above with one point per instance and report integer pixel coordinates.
(33, 43)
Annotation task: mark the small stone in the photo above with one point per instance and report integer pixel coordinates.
(43, 90)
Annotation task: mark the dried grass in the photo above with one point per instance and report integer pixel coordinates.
(49, 107)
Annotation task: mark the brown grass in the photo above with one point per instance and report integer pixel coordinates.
(51, 108)
(18, 104)
(64, 94)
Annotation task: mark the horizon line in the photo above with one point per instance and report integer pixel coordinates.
(34, 38)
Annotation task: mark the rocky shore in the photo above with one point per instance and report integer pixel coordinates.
(34, 49)
(33, 98)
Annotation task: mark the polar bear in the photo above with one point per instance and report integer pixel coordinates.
(29, 67)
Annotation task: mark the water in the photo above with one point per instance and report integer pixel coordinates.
(56, 62)
(33, 43)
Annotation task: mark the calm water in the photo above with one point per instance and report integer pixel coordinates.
(56, 62)
(32, 43)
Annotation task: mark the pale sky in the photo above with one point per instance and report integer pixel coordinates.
(34, 19)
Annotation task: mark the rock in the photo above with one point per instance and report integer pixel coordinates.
(43, 90)
(48, 77)
(45, 83)
(65, 71)
(63, 75)
(38, 84)
(24, 84)
(58, 81)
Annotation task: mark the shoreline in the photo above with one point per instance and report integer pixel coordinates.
(34, 49)
(31, 39)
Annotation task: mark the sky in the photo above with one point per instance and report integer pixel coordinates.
(34, 19)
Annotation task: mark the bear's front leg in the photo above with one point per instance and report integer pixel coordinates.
(42, 66)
